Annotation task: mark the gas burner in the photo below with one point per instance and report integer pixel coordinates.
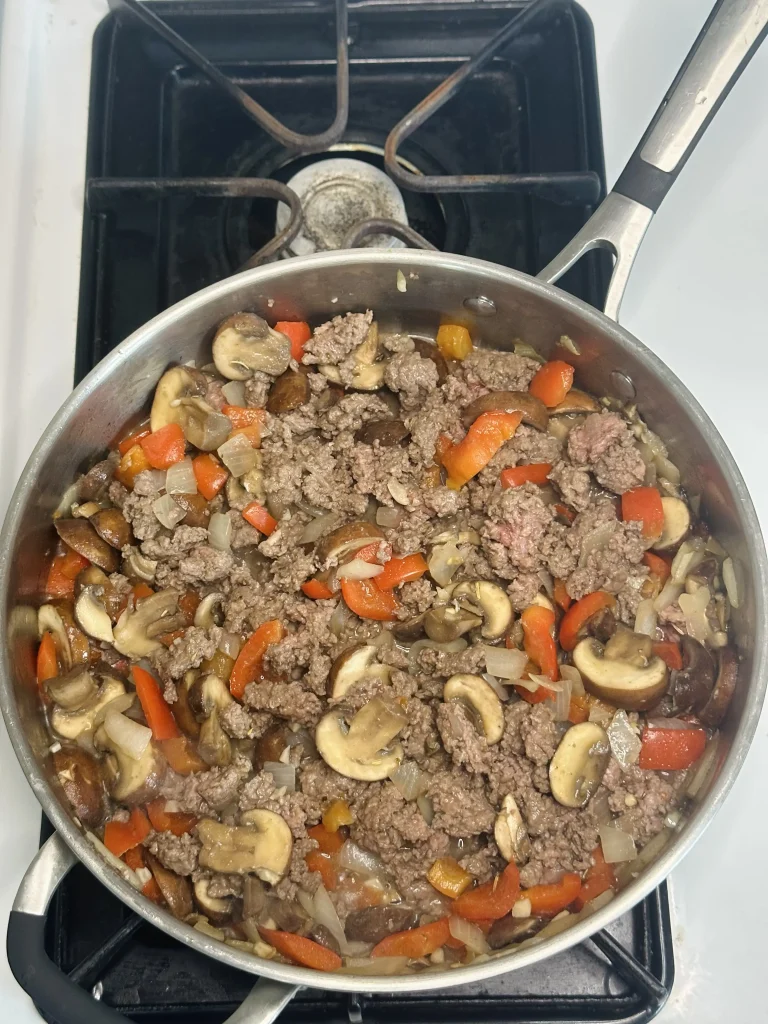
(337, 195)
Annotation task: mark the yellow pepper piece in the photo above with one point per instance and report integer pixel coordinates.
(220, 665)
(336, 814)
(449, 877)
(454, 341)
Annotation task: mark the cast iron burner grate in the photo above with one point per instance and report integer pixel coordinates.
(151, 237)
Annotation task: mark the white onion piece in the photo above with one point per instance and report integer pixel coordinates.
(234, 392)
(600, 808)
(354, 858)
(547, 582)
(496, 686)
(120, 866)
(704, 768)
(359, 569)
(505, 663)
(731, 581)
(668, 723)
(667, 469)
(118, 705)
(617, 845)
(572, 674)
(562, 702)
(444, 562)
(68, 499)
(410, 780)
(220, 531)
(318, 527)
(669, 594)
(307, 901)
(357, 949)
(598, 538)
(341, 619)
(230, 644)
(167, 511)
(547, 683)
(625, 743)
(398, 491)
(238, 455)
(282, 775)
(388, 517)
(143, 875)
(689, 555)
(426, 807)
(131, 737)
(180, 478)
(694, 608)
(172, 806)
(468, 933)
(452, 647)
(151, 480)
(366, 965)
(646, 618)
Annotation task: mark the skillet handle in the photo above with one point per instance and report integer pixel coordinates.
(52, 990)
(725, 46)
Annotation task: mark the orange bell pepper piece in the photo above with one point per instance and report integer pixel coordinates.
(538, 624)
(47, 662)
(534, 473)
(128, 442)
(156, 711)
(670, 653)
(575, 619)
(415, 942)
(169, 821)
(658, 565)
(64, 569)
(578, 709)
(298, 333)
(242, 416)
(548, 900)
(327, 841)
(598, 878)
(492, 900)
(337, 814)
(247, 667)
(165, 446)
(302, 950)
(120, 836)
(401, 570)
(552, 382)
(562, 598)
(671, 749)
(188, 603)
(181, 756)
(210, 475)
(449, 877)
(323, 864)
(134, 461)
(317, 590)
(454, 341)
(257, 516)
(484, 438)
(365, 599)
(643, 505)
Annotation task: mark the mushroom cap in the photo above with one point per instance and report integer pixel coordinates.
(474, 690)
(510, 832)
(71, 724)
(488, 600)
(262, 845)
(136, 632)
(535, 413)
(617, 681)
(91, 616)
(578, 765)
(575, 401)
(677, 523)
(332, 745)
(244, 343)
(352, 665)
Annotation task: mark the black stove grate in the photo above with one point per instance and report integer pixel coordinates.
(531, 110)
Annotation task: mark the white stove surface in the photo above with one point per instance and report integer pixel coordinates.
(697, 297)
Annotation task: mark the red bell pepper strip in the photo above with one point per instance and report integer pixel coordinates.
(64, 569)
(298, 333)
(643, 505)
(534, 473)
(169, 821)
(562, 598)
(47, 662)
(242, 416)
(120, 836)
(415, 942)
(181, 756)
(134, 461)
(401, 570)
(575, 619)
(548, 900)
(257, 516)
(317, 590)
(552, 382)
(365, 599)
(670, 653)
(671, 749)
(578, 709)
(538, 624)
(165, 446)
(492, 900)
(483, 439)
(210, 475)
(156, 711)
(302, 950)
(247, 667)
(598, 879)
(128, 442)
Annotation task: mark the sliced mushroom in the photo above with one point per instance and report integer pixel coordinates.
(677, 523)
(534, 411)
(178, 399)
(132, 782)
(374, 727)
(176, 890)
(428, 350)
(262, 846)
(216, 908)
(49, 620)
(368, 378)
(213, 744)
(447, 622)
(102, 587)
(209, 693)
(92, 616)
(368, 349)
(74, 689)
(244, 344)
(79, 774)
(409, 630)
(331, 740)
(271, 745)
(210, 611)
(136, 632)
(112, 527)
(346, 540)
(80, 535)
(574, 402)
(510, 832)
(198, 511)
(715, 708)
(81, 721)
(487, 600)
(626, 684)
(481, 698)
(94, 484)
(182, 710)
(389, 433)
(139, 566)
(289, 392)
(510, 929)
(354, 664)
(86, 510)
(690, 687)
(579, 763)
(372, 924)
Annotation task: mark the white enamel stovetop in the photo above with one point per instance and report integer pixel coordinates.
(698, 297)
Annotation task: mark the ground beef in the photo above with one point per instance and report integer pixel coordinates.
(461, 738)
(412, 377)
(118, 493)
(562, 838)
(420, 737)
(236, 721)
(523, 589)
(461, 807)
(512, 535)
(257, 389)
(438, 415)
(438, 663)
(140, 516)
(323, 784)
(415, 597)
(604, 443)
(219, 786)
(299, 876)
(351, 412)
(498, 371)
(336, 339)
(203, 564)
(177, 853)
(220, 886)
(641, 798)
(574, 484)
(445, 502)
(172, 547)
(285, 700)
(187, 652)
(608, 565)
(295, 808)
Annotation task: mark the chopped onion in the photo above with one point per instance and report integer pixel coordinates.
(120, 866)
(234, 392)
(204, 925)
(443, 562)
(131, 737)
(284, 775)
(388, 517)
(506, 663)
(220, 531)
(239, 455)
(118, 705)
(625, 743)
(143, 875)
(547, 683)
(359, 569)
(666, 469)
(341, 619)
(366, 965)
(306, 901)
(402, 284)
(426, 807)
(496, 686)
(600, 808)
(562, 702)
(617, 845)
(54, 748)
(180, 478)
(167, 511)
(669, 594)
(356, 948)
(598, 538)
(668, 723)
(318, 527)
(547, 582)
(354, 858)
(694, 608)
(230, 644)
(572, 674)
(468, 933)
(704, 768)
(68, 499)
(646, 618)
(410, 780)
(569, 344)
(522, 908)
(730, 579)
(689, 555)
(172, 806)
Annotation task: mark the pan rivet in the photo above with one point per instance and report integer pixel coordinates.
(622, 386)
(480, 305)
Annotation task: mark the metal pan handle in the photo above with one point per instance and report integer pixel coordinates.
(53, 991)
(726, 44)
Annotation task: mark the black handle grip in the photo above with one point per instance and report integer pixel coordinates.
(48, 986)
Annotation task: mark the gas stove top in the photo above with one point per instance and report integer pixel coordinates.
(183, 188)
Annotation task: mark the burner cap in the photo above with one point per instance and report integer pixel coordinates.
(336, 195)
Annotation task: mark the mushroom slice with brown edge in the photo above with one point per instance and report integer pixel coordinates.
(389, 433)
(289, 392)
(178, 399)
(354, 664)
(133, 781)
(481, 698)
(575, 401)
(428, 350)
(619, 677)
(139, 566)
(80, 535)
(691, 686)
(244, 343)
(346, 540)
(74, 689)
(216, 909)
(677, 523)
(715, 708)
(374, 727)
(136, 632)
(372, 924)
(513, 929)
(79, 774)
(176, 889)
(447, 622)
(112, 526)
(510, 832)
(579, 763)
(271, 744)
(533, 410)
(77, 723)
(209, 693)
(366, 757)
(487, 600)
(103, 588)
(262, 846)
(49, 620)
(92, 617)
(213, 744)
(210, 611)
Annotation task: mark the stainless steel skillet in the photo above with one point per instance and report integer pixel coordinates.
(502, 305)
